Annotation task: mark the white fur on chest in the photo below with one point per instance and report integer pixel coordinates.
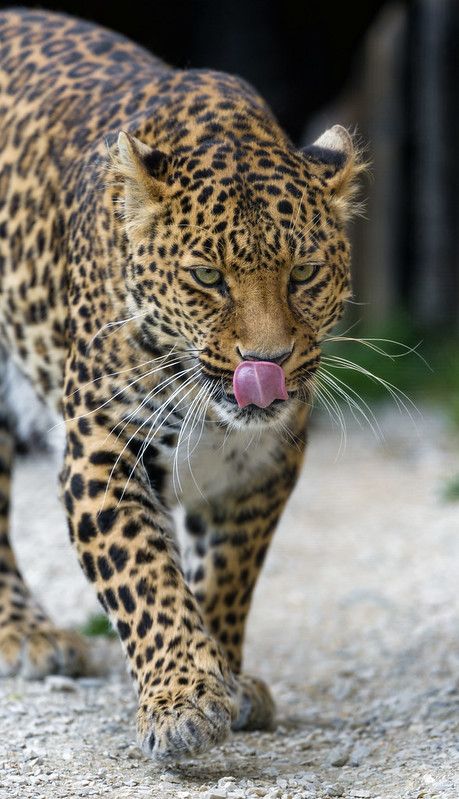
(217, 460)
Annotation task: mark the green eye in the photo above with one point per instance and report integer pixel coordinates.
(207, 276)
(303, 272)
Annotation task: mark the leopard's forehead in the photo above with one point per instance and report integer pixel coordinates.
(245, 204)
(251, 209)
(252, 177)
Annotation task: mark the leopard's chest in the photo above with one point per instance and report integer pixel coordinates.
(213, 461)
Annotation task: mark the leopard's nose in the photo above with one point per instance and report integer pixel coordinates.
(273, 357)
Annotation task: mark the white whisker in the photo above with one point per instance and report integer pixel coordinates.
(117, 324)
(372, 343)
(353, 399)
(175, 469)
(137, 430)
(202, 409)
(117, 394)
(154, 430)
(326, 398)
(152, 393)
(401, 399)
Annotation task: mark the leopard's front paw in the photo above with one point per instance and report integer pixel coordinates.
(183, 721)
(257, 710)
(34, 650)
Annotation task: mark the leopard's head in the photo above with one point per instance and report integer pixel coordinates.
(240, 253)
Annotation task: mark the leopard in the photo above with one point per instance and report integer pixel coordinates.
(170, 264)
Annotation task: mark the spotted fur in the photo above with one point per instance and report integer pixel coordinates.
(118, 176)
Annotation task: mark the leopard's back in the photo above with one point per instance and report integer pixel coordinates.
(84, 78)
(64, 85)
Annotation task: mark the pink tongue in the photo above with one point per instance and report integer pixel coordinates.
(258, 383)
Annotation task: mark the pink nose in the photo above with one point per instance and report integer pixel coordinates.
(258, 383)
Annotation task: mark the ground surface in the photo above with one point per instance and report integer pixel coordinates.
(355, 625)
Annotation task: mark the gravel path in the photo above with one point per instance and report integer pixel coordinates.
(355, 625)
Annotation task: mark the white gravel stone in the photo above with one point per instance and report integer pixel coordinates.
(334, 790)
(55, 682)
(338, 757)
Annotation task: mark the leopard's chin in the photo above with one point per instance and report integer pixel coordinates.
(252, 417)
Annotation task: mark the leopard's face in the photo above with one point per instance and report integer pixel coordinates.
(243, 258)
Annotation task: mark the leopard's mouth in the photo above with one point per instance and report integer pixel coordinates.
(226, 407)
(224, 404)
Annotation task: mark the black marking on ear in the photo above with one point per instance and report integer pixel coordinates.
(324, 155)
(156, 163)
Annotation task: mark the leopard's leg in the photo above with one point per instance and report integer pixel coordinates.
(124, 536)
(228, 537)
(29, 644)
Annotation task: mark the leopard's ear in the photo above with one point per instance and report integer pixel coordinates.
(142, 171)
(338, 162)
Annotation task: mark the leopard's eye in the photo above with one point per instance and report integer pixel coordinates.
(303, 273)
(207, 276)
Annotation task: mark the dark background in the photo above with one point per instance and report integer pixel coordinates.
(297, 54)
